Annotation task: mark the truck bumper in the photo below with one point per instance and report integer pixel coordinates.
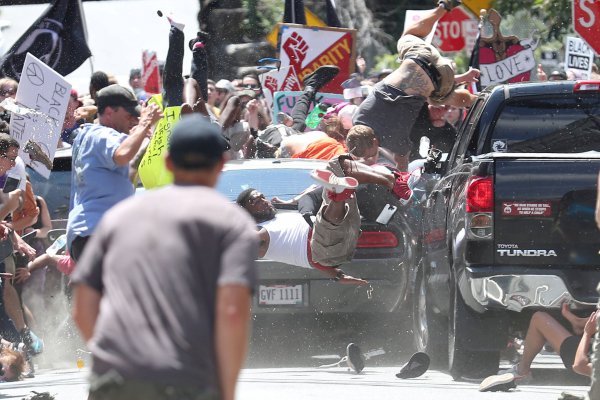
(516, 292)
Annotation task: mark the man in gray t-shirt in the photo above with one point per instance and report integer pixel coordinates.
(163, 288)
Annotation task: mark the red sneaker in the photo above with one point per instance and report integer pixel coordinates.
(333, 183)
(345, 195)
(401, 189)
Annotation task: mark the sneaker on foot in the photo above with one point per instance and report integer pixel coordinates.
(401, 190)
(320, 77)
(33, 344)
(497, 383)
(333, 183)
(355, 358)
(449, 4)
(519, 378)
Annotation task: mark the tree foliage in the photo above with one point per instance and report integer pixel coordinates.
(556, 14)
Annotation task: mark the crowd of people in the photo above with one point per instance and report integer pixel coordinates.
(209, 244)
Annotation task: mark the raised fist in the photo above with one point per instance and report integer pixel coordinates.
(271, 84)
(296, 48)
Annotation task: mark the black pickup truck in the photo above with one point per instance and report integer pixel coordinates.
(508, 228)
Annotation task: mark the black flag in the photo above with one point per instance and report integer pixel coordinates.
(293, 12)
(57, 38)
(332, 17)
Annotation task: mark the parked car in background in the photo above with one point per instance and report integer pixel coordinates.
(57, 189)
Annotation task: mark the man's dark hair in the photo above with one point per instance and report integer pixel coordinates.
(242, 199)
(99, 80)
(7, 142)
(135, 73)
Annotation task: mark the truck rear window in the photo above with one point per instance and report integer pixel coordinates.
(549, 125)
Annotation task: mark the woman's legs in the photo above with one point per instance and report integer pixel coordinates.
(542, 328)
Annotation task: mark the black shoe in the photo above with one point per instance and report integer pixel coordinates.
(415, 367)
(201, 36)
(498, 383)
(449, 4)
(320, 77)
(355, 358)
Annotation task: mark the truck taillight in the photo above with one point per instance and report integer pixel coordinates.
(480, 195)
(586, 86)
(376, 239)
(480, 207)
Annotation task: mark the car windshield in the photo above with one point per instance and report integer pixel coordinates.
(284, 183)
(550, 125)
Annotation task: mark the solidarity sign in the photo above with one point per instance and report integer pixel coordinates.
(305, 49)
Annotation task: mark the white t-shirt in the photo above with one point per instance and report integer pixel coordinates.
(18, 171)
(288, 239)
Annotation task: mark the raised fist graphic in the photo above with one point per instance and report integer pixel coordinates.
(296, 48)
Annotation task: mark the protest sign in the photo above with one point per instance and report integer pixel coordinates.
(152, 170)
(307, 48)
(579, 58)
(505, 58)
(278, 80)
(150, 73)
(46, 91)
(285, 101)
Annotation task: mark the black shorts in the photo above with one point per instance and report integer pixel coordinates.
(568, 348)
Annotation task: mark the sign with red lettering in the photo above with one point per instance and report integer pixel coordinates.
(150, 74)
(306, 48)
(529, 209)
(283, 79)
(586, 21)
(456, 31)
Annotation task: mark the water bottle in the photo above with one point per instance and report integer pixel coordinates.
(424, 146)
(58, 245)
(316, 115)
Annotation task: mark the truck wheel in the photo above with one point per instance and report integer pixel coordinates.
(430, 332)
(462, 361)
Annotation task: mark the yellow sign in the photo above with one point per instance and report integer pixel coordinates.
(152, 170)
(311, 20)
(475, 6)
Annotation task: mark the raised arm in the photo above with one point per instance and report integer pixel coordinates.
(130, 146)
(582, 364)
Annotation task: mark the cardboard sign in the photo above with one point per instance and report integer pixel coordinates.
(307, 48)
(285, 101)
(579, 58)
(282, 80)
(46, 91)
(150, 72)
(152, 169)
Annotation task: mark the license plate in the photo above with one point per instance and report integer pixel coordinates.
(286, 295)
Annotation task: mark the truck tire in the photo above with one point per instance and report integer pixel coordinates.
(430, 331)
(462, 360)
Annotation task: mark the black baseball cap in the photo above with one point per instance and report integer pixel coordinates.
(196, 142)
(119, 96)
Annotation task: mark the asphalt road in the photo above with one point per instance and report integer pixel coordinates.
(375, 382)
(285, 359)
